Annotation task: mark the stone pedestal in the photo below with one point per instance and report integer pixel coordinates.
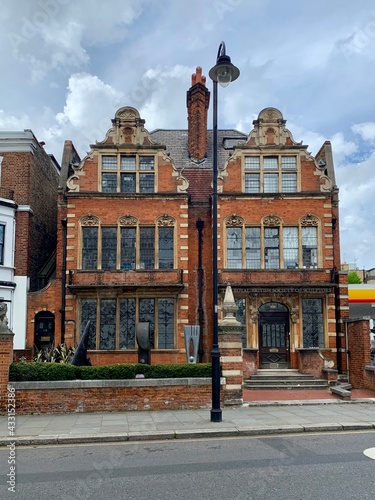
(230, 346)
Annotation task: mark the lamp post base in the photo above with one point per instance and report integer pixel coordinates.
(216, 415)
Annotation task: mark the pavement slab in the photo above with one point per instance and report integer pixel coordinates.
(250, 419)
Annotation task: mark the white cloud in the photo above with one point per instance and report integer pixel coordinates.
(366, 130)
(9, 122)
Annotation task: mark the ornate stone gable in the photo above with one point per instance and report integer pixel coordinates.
(269, 129)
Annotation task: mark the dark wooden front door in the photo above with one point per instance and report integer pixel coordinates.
(274, 338)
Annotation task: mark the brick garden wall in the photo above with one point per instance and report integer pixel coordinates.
(111, 395)
(361, 375)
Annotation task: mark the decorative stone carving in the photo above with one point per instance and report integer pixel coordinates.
(229, 309)
(165, 221)
(70, 183)
(90, 220)
(309, 220)
(271, 220)
(128, 220)
(234, 221)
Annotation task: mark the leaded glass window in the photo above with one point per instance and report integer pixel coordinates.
(146, 183)
(147, 314)
(89, 247)
(165, 323)
(88, 313)
(270, 163)
(128, 162)
(288, 162)
(252, 183)
(234, 248)
(271, 248)
(290, 245)
(252, 162)
(166, 247)
(133, 173)
(275, 174)
(147, 247)
(109, 182)
(289, 183)
(117, 319)
(309, 247)
(241, 317)
(127, 324)
(109, 247)
(253, 247)
(146, 163)
(128, 248)
(128, 183)
(107, 338)
(271, 183)
(313, 327)
(109, 162)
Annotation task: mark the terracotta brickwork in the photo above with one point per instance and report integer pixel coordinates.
(358, 332)
(302, 196)
(32, 180)
(114, 397)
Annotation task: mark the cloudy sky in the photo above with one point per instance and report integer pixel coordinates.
(67, 65)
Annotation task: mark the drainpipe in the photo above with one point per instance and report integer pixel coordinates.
(63, 279)
(200, 225)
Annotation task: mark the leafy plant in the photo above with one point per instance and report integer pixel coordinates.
(58, 354)
(353, 278)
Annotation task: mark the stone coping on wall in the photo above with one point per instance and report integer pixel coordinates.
(89, 384)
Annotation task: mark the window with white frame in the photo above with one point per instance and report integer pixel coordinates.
(270, 174)
(127, 174)
(128, 245)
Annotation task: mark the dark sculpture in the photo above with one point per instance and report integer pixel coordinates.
(80, 356)
(144, 344)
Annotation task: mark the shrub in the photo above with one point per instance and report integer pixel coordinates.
(20, 372)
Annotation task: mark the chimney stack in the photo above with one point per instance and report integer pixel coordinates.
(197, 101)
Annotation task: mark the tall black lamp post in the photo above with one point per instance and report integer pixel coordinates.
(223, 73)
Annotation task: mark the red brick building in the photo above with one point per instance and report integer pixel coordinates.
(28, 214)
(135, 240)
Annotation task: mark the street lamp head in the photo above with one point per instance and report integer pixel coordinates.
(224, 71)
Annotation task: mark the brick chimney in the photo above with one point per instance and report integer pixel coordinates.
(197, 100)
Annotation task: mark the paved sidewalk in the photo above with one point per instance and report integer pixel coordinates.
(254, 418)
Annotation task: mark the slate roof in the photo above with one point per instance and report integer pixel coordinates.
(176, 142)
(199, 175)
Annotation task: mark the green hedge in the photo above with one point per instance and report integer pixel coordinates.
(27, 372)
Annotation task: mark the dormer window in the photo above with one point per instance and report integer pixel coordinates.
(127, 174)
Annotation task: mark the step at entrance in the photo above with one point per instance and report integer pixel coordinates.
(283, 379)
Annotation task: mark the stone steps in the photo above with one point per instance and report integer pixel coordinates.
(283, 380)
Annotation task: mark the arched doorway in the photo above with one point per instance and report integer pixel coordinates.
(274, 335)
(44, 329)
